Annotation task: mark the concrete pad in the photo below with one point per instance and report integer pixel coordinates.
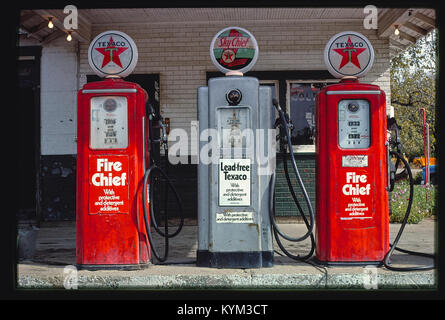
(56, 250)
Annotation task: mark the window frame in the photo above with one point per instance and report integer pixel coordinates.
(303, 148)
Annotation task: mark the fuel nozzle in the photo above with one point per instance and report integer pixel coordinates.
(289, 124)
(276, 104)
(150, 111)
(165, 126)
(392, 125)
(284, 124)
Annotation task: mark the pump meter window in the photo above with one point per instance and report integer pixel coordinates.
(231, 125)
(109, 122)
(353, 124)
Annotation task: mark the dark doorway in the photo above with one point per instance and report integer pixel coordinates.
(28, 73)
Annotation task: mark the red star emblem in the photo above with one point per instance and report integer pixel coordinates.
(229, 59)
(111, 53)
(228, 56)
(349, 54)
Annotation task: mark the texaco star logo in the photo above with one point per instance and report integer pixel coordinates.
(348, 54)
(112, 53)
(228, 56)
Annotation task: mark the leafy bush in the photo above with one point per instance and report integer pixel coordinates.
(421, 206)
(418, 178)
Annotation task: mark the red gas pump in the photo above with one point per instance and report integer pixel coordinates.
(352, 159)
(112, 156)
(352, 173)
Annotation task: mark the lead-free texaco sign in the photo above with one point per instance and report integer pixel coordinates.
(234, 49)
(112, 53)
(348, 53)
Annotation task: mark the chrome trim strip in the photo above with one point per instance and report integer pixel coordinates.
(353, 92)
(109, 91)
(143, 144)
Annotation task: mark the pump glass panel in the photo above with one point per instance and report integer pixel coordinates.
(109, 122)
(234, 139)
(353, 124)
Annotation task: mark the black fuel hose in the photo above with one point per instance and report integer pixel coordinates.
(149, 175)
(276, 230)
(387, 259)
(309, 225)
(164, 233)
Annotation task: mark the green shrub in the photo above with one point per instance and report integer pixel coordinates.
(421, 206)
(418, 178)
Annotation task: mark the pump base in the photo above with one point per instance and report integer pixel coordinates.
(237, 259)
(348, 263)
(95, 267)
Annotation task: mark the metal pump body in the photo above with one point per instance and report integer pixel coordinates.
(236, 158)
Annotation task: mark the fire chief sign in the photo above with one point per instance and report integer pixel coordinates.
(348, 54)
(108, 179)
(112, 53)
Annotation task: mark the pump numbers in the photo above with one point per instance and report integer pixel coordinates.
(109, 122)
(353, 124)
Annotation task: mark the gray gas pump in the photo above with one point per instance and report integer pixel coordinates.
(237, 158)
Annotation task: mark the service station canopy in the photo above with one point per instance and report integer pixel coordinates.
(413, 23)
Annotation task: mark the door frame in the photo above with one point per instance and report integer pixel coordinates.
(33, 53)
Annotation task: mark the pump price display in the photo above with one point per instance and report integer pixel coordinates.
(234, 182)
(353, 124)
(109, 124)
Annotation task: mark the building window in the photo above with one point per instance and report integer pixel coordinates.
(301, 102)
(274, 84)
(295, 90)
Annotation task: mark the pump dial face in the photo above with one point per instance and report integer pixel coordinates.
(234, 97)
(353, 107)
(110, 105)
(109, 122)
(231, 124)
(353, 124)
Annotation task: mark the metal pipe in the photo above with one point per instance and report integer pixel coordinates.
(425, 148)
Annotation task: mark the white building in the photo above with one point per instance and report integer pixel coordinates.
(173, 45)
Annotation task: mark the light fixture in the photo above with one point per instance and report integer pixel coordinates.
(50, 23)
(69, 37)
(396, 30)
